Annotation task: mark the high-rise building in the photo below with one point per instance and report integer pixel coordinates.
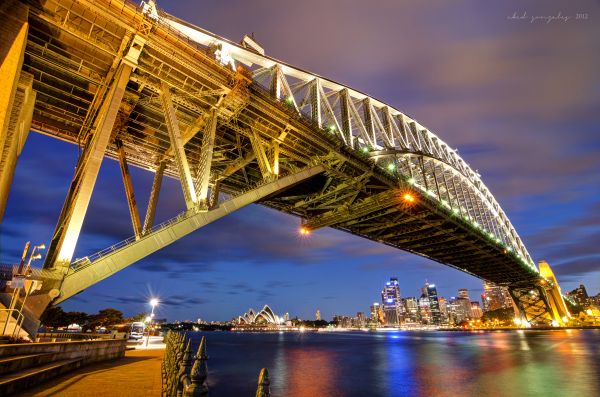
(360, 319)
(286, 317)
(424, 310)
(392, 305)
(580, 296)
(443, 309)
(430, 291)
(463, 293)
(495, 297)
(377, 315)
(459, 309)
(318, 315)
(411, 308)
(476, 311)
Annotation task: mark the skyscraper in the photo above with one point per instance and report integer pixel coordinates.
(391, 303)
(495, 297)
(579, 295)
(411, 309)
(430, 292)
(318, 315)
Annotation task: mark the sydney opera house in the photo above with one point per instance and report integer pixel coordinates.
(263, 318)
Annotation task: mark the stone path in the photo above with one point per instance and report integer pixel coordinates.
(136, 374)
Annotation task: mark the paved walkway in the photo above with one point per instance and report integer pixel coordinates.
(136, 374)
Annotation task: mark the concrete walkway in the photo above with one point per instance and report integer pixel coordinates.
(136, 374)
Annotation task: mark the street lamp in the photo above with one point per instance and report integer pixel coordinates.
(153, 302)
(18, 281)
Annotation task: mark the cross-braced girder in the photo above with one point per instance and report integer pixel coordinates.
(222, 124)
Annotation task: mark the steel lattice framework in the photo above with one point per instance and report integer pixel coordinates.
(235, 127)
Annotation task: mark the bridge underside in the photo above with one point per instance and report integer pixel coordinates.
(122, 84)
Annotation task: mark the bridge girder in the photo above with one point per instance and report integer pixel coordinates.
(367, 148)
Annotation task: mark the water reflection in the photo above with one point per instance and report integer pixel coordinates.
(529, 363)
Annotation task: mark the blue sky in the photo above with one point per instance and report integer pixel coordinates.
(519, 99)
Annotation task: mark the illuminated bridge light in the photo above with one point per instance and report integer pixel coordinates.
(365, 149)
(430, 193)
(455, 210)
(304, 231)
(289, 99)
(391, 167)
(332, 128)
(411, 180)
(409, 198)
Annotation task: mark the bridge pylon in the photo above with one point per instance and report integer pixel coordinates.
(541, 304)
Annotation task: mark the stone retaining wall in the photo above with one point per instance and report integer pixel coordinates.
(89, 351)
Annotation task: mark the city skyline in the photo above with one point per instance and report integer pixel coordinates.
(550, 190)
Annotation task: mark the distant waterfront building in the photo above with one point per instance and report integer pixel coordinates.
(459, 309)
(286, 317)
(495, 297)
(443, 309)
(463, 293)
(424, 310)
(318, 315)
(361, 320)
(264, 317)
(476, 312)
(390, 300)
(411, 309)
(375, 311)
(580, 296)
(342, 321)
(429, 291)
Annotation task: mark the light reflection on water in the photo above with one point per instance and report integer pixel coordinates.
(524, 363)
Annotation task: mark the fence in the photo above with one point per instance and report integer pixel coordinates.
(186, 376)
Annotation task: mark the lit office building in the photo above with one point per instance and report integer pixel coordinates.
(443, 310)
(476, 311)
(456, 310)
(361, 321)
(377, 315)
(580, 296)
(424, 310)
(392, 305)
(430, 292)
(411, 308)
(495, 297)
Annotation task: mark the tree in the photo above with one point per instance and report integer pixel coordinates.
(105, 317)
(140, 317)
(54, 316)
(503, 314)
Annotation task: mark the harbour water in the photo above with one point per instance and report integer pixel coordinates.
(410, 363)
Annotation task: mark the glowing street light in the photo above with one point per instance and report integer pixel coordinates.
(153, 302)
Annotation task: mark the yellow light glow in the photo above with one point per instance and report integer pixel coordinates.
(409, 198)
(304, 231)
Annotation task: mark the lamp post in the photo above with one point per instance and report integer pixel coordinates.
(153, 303)
(19, 281)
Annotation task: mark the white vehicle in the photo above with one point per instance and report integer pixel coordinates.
(137, 330)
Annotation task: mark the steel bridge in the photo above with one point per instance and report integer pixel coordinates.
(236, 127)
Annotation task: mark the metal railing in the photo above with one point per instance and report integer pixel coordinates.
(18, 321)
(82, 263)
(186, 376)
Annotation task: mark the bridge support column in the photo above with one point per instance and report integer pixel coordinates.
(541, 303)
(16, 95)
(153, 201)
(185, 176)
(78, 198)
(129, 193)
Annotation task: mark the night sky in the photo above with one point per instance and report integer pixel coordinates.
(518, 95)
